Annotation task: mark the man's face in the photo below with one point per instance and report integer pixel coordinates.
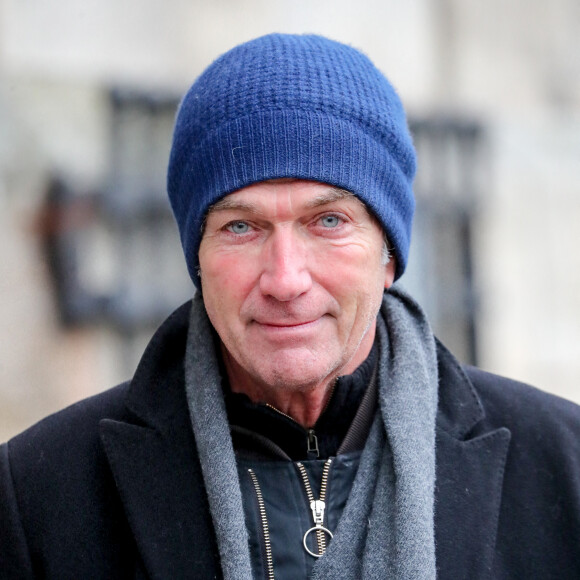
(292, 278)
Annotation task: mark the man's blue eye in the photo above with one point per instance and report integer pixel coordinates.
(330, 221)
(238, 227)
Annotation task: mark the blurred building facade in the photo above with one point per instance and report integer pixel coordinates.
(90, 259)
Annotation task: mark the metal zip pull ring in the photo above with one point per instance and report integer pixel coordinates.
(317, 507)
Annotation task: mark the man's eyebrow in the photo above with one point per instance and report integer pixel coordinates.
(228, 203)
(333, 194)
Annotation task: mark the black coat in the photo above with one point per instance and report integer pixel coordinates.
(111, 487)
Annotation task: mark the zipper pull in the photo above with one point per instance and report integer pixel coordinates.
(317, 506)
(312, 442)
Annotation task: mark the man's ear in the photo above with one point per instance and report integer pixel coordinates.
(390, 269)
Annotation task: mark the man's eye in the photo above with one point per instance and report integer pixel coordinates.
(330, 221)
(238, 227)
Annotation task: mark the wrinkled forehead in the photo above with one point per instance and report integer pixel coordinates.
(325, 194)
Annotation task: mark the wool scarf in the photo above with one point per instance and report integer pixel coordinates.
(386, 529)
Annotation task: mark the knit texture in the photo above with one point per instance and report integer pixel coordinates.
(214, 445)
(297, 106)
(387, 526)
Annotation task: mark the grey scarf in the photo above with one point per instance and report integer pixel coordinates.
(386, 529)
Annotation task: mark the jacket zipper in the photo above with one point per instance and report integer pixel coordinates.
(265, 527)
(318, 508)
(311, 438)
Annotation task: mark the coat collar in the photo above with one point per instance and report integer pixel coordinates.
(154, 461)
(459, 407)
(157, 393)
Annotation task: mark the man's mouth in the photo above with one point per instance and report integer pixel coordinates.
(281, 326)
(286, 324)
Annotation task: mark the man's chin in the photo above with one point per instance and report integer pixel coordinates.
(298, 373)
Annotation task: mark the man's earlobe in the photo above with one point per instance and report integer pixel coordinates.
(390, 269)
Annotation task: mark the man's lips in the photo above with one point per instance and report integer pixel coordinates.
(280, 331)
(286, 324)
(278, 323)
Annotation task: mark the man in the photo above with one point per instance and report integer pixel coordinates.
(298, 418)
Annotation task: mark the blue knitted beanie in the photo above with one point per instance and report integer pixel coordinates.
(297, 106)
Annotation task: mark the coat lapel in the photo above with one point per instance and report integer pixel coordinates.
(160, 487)
(467, 501)
(153, 459)
(469, 478)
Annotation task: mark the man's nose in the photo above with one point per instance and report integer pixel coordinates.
(285, 273)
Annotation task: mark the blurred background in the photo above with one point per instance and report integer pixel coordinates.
(89, 257)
